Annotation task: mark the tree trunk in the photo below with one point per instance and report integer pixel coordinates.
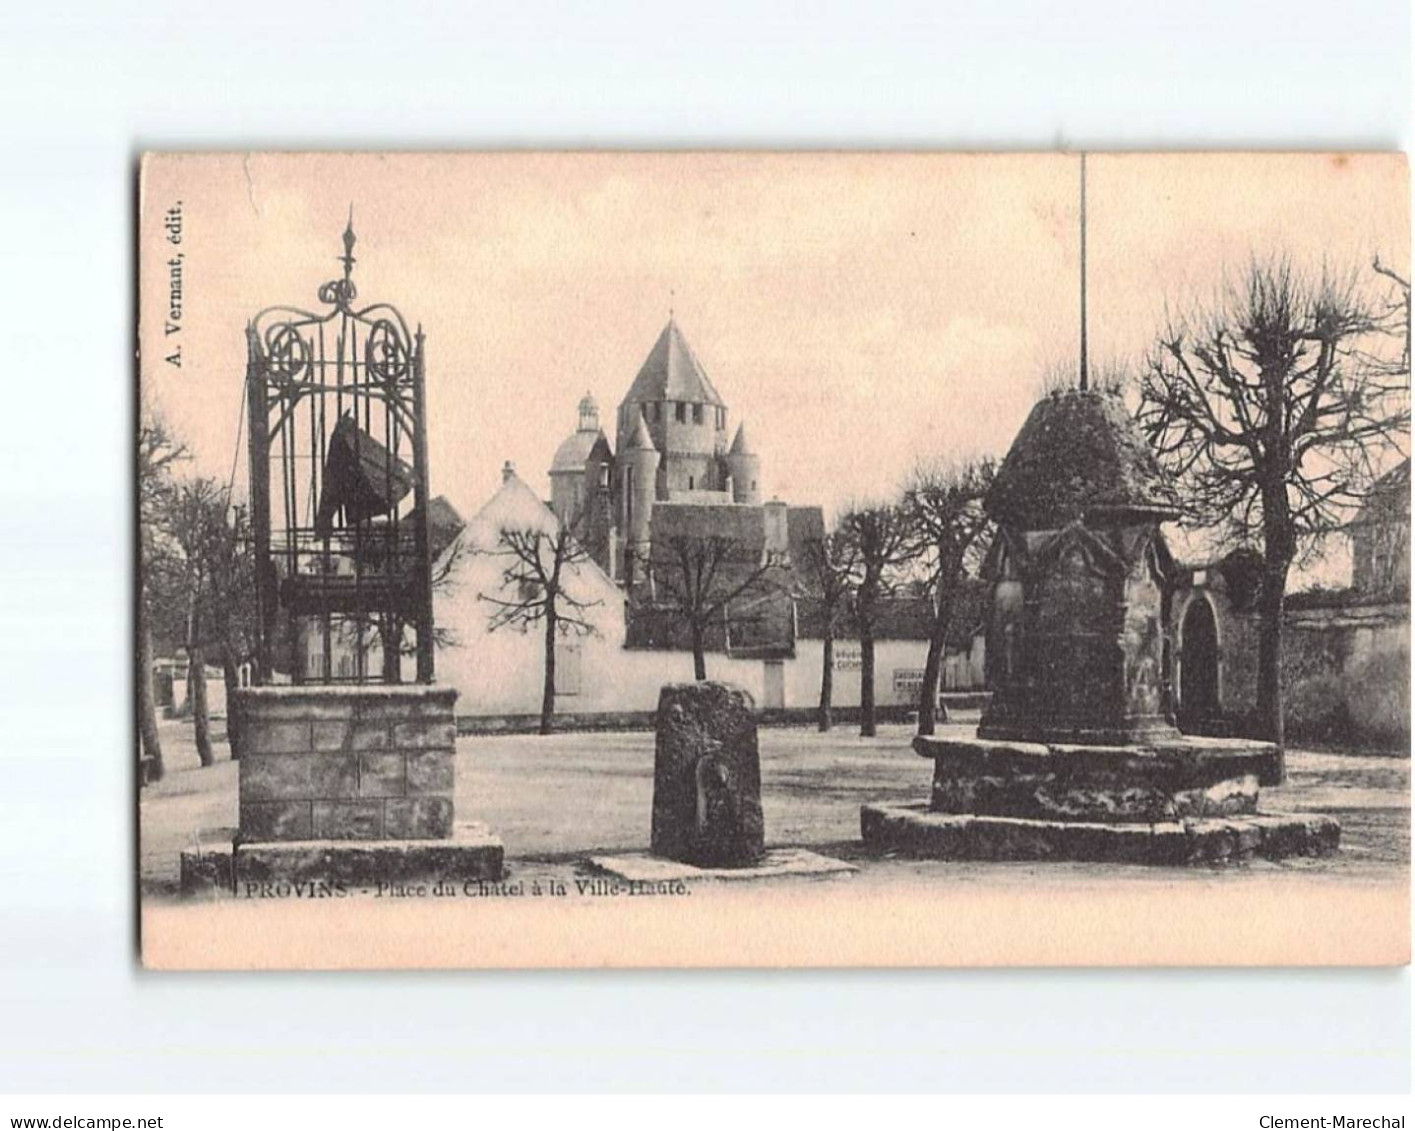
(699, 656)
(196, 681)
(390, 632)
(867, 678)
(231, 675)
(547, 695)
(151, 742)
(823, 717)
(1270, 715)
(928, 693)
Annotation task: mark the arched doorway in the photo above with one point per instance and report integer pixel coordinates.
(1198, 668)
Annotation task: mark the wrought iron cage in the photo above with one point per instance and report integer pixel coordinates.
(339, 496)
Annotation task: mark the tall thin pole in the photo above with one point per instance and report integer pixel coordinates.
(1085, 374)
(423, 582)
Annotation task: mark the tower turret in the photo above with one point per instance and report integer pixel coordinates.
(567, 470)
(596, 526)
(589, 413)
(744, 467)
(637, 466)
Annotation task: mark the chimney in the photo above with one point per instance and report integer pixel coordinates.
(508, 472)
(774, 514)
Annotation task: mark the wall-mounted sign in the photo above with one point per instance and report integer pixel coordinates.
(908, 683)
(847, 656)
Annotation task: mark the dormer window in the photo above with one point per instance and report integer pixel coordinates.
(680, 411)
(697, 414)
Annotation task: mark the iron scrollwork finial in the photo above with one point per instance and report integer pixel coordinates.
(342, 292)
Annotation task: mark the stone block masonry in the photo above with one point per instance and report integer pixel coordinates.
(916, 831)
(356, 763)
(219, 865)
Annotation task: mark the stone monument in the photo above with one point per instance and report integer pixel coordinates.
(707, 799)
(707, 789)
(1077, 755)
(347, 772)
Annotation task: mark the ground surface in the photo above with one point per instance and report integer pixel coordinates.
(556, 800)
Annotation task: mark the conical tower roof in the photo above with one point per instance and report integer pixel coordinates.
(601, 451)
(639, 438)
(741, 446)
(1080, 455)
(672, 373)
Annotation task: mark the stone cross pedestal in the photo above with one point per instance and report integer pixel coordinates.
(707, 793)
(1077, 756)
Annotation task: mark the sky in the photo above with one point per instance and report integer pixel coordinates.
(863, 313)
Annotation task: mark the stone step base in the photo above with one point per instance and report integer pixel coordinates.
(219, 864)
(915, 830)
(643, 868)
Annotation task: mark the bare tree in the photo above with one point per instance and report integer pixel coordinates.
(943, 507)
(1396, 311)
(1276, 410)
(537, 588)
(831, 567)
(388, 631)
(231, 606)
(157, 452)
(700, 576)
(195, 521)
(879, 535)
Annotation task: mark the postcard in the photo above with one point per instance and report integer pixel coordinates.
(671, 559)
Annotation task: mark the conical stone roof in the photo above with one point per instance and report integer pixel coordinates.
(639, 437)
(672, 373)
(741, 446)
(1080, 455)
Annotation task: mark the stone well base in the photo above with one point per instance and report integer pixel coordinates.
(223, 864)
(915, 830)
(347, 762)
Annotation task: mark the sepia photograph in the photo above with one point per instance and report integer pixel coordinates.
(656, 559)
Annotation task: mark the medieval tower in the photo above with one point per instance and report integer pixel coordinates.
(670, 446)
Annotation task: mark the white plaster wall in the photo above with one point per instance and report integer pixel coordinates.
(215, 692)
(803, 674)
(501, 672)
